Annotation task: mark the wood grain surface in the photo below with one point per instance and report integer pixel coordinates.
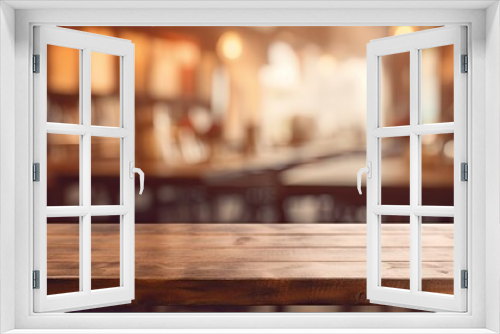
(250, 264)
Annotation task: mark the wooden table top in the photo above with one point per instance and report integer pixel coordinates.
(204, 263)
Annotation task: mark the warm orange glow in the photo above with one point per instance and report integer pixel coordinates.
(63, 65)
(327, 63)
(104, 75)
(449, 149)
(403, 30)
(230, 45)
(187, 53)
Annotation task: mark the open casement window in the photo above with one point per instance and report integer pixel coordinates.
(413, 132)
(85, 133)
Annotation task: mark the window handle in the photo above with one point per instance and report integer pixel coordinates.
(368, 171)
(133, 170)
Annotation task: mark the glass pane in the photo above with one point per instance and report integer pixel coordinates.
(437, 169)
(395, 89)
(105, 171)
(437, 84)
(105, 85)
(63, 170)
(395, 251)
(63, 255)
(437, 254)
(63, 84)
(105, 252)
(395, 170)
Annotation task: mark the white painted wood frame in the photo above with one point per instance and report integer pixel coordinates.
(17, 20)
(414, 43)
(86, 43)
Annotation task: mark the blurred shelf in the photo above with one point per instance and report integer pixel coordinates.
(342, 172)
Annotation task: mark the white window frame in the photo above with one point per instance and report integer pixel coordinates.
(413, 44)
(86, 297)
(16, 215)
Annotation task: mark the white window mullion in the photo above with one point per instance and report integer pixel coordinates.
(372, 184)
(392, 131)
(106, 131)
(414, 170)
(460, 156)
(122, 180)
(421, 129)
(434, 211)
(40, 156)
(67, 129)
(127, 228)
(85, 168)
(79, 129)
(54, 127)
(432, 129)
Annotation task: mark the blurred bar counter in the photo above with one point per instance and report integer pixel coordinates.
(311, 183)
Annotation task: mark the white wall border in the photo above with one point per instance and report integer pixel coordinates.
(364, 322)
(492, 187)
(7, 166)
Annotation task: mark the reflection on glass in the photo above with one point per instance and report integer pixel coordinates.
(437, 84)
(105, 87)
(437, 254)
(395, 171)
(395, 89)
(63, 84)
(105, 252)
(105, 171)
(63, 255)
(395, 251)
(437, 169)
(63, 165)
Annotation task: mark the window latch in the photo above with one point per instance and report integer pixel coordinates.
(133, 170)
(368, 171)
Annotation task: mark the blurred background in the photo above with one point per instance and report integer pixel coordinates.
(248, 125)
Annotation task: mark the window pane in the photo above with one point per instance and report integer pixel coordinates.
(63, 84)
(63, 255)
(437, 84)
(105, 171)
(437, 254)
(105, 85)
(105, 252)
(395, 170)
(395, 251)
(395, 89)
(437, 169)
(63, 170)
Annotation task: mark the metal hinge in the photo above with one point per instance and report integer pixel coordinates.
(464, 279)
(465, 64)
(36, 172)
(36, 279)
(36, 63)
(464, 172)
